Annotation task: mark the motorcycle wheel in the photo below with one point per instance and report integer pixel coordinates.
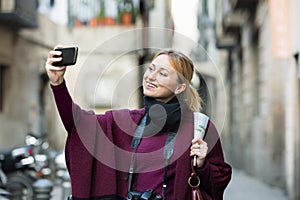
(20, 186)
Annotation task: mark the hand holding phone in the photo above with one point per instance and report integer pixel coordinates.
(69, 56)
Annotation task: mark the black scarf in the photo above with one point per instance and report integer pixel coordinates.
(162, 116)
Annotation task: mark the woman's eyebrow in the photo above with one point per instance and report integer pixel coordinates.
(164, 67)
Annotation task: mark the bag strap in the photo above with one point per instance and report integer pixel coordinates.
(167, 153)
(134, 143)
(194, 180)
(194, 183)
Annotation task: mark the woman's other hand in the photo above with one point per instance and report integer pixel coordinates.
(199, 148)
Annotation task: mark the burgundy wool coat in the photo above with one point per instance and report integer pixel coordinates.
(98, 151)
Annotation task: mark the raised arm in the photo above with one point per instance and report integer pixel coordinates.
(62, 97)
(65, 105)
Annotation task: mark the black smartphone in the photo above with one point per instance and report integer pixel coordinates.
(69, 56)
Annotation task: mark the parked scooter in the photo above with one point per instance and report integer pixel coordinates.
(23, 165)
(14, 163)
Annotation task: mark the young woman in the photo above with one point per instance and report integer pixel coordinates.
(142, 151)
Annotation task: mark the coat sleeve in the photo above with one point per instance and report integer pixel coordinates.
(86, 145)
(70, 113)
(215, 174)
(65, 105)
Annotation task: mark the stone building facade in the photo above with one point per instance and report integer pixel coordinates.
(262, 131)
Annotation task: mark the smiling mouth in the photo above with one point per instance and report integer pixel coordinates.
(151, 85)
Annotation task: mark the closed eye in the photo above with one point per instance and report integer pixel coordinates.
(151, 68)
(163, 74)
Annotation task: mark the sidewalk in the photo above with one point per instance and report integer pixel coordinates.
(246, 187)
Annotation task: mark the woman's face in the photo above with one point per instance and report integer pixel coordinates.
(160, 80)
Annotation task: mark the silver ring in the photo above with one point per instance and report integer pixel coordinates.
(197, 145)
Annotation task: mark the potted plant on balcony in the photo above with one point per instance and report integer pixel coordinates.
(126, 11)
(101, 18)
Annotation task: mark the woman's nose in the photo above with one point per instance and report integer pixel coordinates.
(152, 75)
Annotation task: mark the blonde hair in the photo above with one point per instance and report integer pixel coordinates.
(185, 67)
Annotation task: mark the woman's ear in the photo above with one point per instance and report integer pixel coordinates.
(180, 88)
